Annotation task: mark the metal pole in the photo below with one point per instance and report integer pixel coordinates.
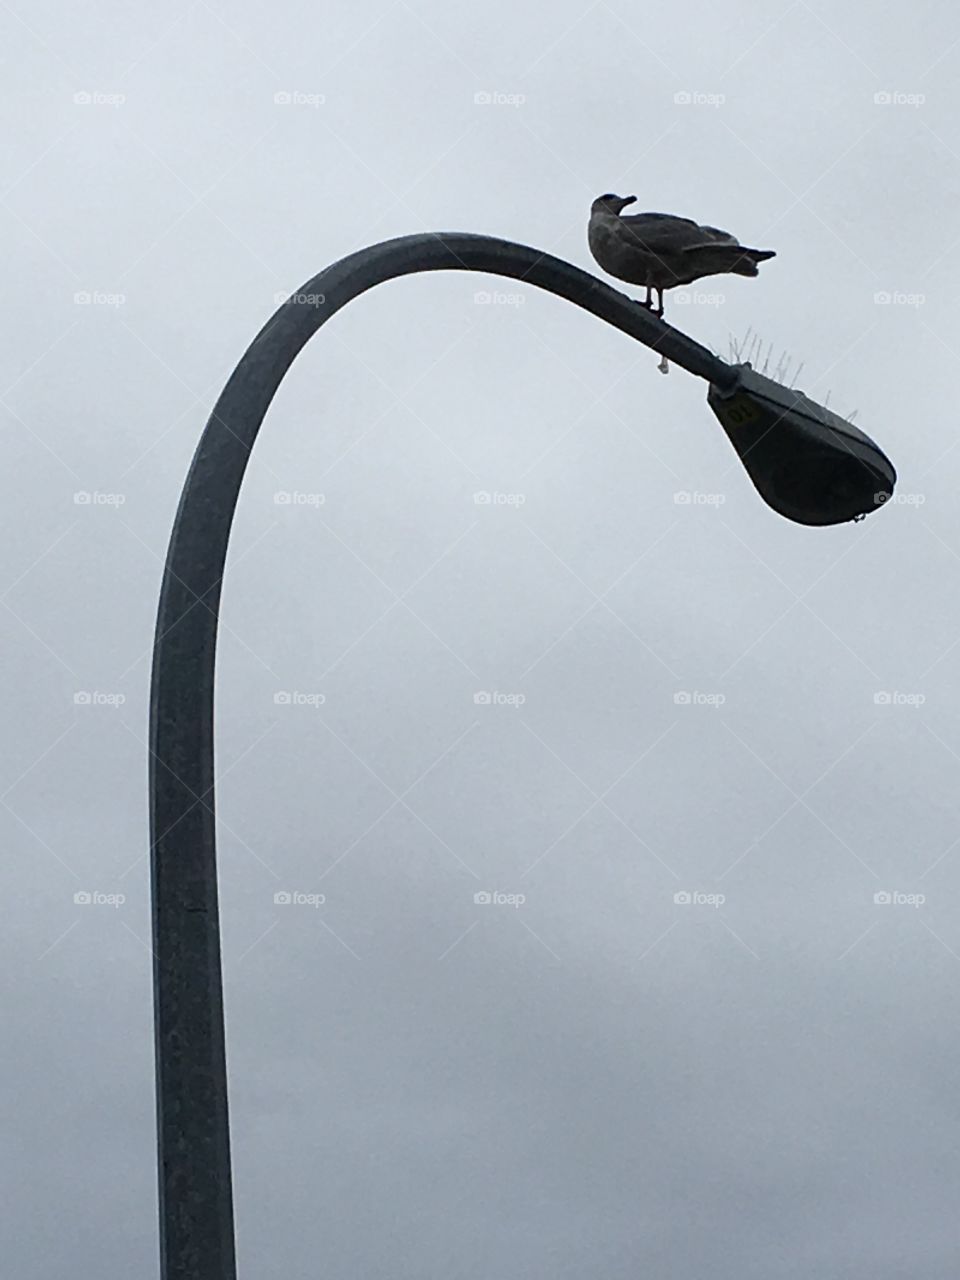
(196, 1201)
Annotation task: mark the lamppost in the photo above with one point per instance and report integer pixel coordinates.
(807, 463)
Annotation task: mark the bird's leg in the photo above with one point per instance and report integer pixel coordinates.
(663, 366)
(646, 301)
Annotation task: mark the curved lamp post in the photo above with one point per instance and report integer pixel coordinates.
(806, 463)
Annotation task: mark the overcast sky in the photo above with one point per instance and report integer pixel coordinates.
(707, 1023)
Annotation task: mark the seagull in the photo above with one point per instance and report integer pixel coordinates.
(661, 251)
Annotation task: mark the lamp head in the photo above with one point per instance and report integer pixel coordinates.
(807, 462)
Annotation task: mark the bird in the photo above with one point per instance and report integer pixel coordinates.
(661, 251)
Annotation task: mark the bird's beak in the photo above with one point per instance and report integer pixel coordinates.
(627, 200)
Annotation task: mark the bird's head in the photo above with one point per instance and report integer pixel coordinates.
(611, 203)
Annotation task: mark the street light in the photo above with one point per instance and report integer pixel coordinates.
(808, 463)
(805, 467)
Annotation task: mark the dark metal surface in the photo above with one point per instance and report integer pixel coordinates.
(196, 1211)
(807, 463)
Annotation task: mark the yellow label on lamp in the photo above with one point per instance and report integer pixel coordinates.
(737, 411)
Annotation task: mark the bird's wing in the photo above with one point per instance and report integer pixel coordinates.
(658, 223)
(721, 237)
(666, 233)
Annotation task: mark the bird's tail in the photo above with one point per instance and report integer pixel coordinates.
(747, 259)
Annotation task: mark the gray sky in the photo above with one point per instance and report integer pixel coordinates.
(597, 1080)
